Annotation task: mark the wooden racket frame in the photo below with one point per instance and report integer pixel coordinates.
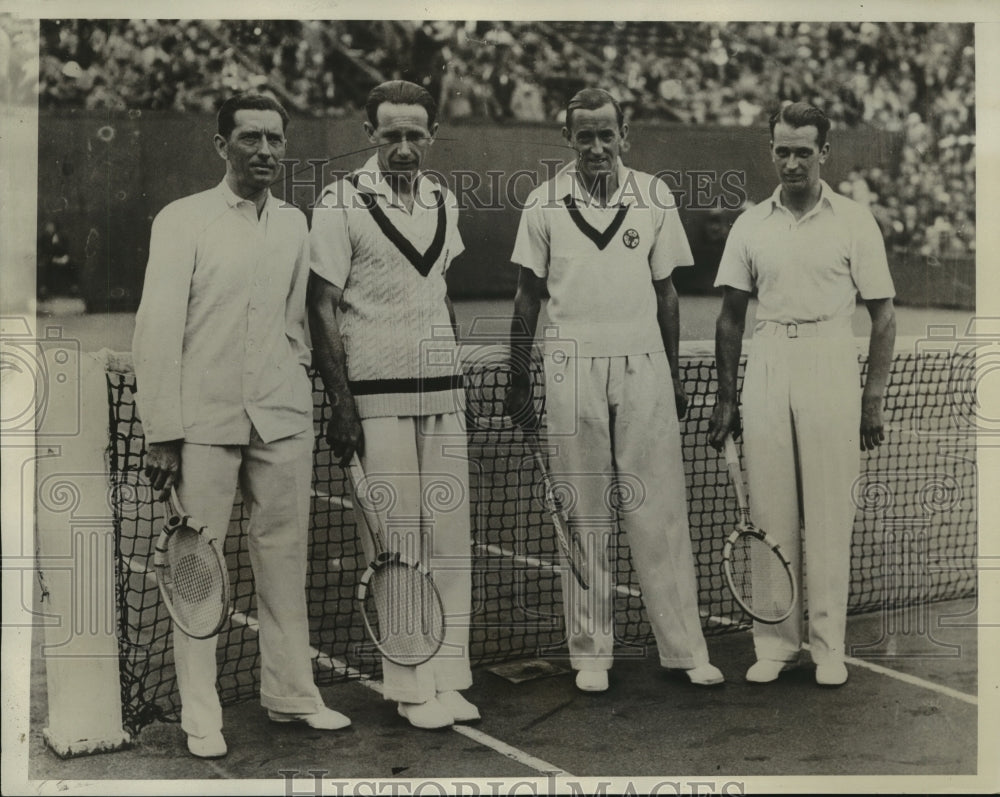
(177, 518)
(567, 540)
(746, 527)
(372, 520)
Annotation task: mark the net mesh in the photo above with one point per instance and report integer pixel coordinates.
(914, 536)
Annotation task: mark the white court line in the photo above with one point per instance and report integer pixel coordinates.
(911, 679)
(504, 749)
(336, 500)
(914, 681)
(496, 550)
(531, 561)
(137, 568)
(324, 660)
(721, 620)
(629, 592)
(513, 753)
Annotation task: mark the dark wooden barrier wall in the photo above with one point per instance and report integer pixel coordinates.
(104, 176)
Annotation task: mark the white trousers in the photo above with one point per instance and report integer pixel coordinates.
(802, 412)
(275, 480)
(615, 440)
(424, 460)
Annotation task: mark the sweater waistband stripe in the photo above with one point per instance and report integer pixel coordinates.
(432, 384)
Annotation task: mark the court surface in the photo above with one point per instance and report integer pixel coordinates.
(910, 709)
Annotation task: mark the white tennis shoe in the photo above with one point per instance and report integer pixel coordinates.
(832, 673)
(211, 746)
(429, 716)
(326, 719)
(592, 680)
(461, 710)
(706, 675)
(764, 671)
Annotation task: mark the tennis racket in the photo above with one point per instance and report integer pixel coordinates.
(400, 605)
(757, 571)
(191, 574)
(569, 542)
(486, 385)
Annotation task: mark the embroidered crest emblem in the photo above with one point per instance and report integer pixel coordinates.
(630, 238)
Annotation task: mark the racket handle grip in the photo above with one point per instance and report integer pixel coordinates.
(355, 471)
(735, 471)
(362, 501)
(729, 449)
(174, 502)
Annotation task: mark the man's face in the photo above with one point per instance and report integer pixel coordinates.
(797, 156)
(253, 151)
(403, 137)
(597, 139)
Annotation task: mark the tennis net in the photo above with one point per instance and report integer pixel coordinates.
(914, 536)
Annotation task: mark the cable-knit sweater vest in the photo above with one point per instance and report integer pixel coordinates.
(402, 358)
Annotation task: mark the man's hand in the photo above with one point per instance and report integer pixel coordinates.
(725, 420)
(880, 346)
(872, 429)
(344, 433)
(680, 398)
(163, 467)
(519, 405)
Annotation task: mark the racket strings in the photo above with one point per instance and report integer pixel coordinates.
(192, 579)
(405, 613)
(759, 578)
(194, 582)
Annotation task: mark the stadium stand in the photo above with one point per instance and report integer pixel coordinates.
(916, 78)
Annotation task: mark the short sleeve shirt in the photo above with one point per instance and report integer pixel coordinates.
(599, 262)
(810, 269)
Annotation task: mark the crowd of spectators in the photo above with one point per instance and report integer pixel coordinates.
(913, 78)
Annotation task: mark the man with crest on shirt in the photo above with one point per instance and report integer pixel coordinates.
(604, 239)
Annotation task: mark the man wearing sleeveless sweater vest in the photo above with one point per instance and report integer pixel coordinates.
(381, 241)
(604, 239)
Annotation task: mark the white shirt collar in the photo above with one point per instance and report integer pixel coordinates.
(826, 199)
(233, 200)
(566, 183)
(370, 178)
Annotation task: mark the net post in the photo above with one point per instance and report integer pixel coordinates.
(76, 554)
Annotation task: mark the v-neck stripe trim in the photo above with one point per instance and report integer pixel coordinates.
(600, 239)
(423, 263)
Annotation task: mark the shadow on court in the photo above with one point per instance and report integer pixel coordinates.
(909, 708)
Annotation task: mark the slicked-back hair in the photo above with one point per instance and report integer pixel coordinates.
(400, 92)
(247, 101)
(802, 114)
(591, 100)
